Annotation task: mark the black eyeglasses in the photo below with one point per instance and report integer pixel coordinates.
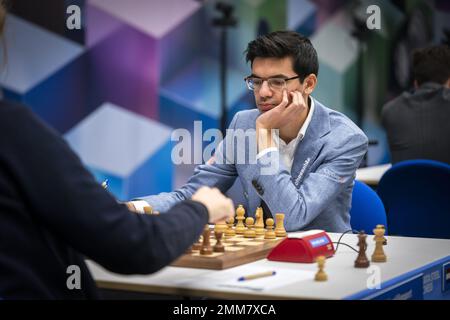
(255, 83)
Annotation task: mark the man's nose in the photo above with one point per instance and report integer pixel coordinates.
(265, 90)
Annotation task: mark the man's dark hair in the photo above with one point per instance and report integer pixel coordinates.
(431, 64)
(281, 44)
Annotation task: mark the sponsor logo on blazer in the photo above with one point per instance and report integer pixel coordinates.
(302, 171)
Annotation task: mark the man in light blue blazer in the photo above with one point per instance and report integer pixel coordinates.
(305, 154)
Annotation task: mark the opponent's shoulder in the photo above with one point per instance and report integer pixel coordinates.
(14, 116)
(19, 120)
(10, 109)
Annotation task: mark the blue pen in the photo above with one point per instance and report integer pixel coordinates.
(258, 275)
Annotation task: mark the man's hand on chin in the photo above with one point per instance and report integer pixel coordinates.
(277, 118)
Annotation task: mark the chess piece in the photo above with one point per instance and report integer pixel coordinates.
(378, 255)
(279, 229)
(230, 232)
(321, 275)
(206, 246)
(220, 227)
(249, 233)
(148, 210)
(382, 227)
(259, 224)
(219, 247)
(240, 217)
(362, 261)
(270, 234)
(197, 245)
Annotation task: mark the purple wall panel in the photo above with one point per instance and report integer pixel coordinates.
(124, 70)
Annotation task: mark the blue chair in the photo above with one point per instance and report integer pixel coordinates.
(416, 195)
(367, 209)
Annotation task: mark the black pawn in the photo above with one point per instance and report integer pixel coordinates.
(362, 261)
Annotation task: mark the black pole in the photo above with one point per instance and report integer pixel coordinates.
(227, 20)
(223, 80)
(360, 36)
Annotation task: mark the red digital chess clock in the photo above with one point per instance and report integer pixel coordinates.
(303, 248)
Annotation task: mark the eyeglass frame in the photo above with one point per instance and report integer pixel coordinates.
(267, 79)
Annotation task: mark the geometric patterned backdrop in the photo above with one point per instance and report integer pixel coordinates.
(138, 69)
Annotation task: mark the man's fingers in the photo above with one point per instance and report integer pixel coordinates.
(291, 110)
(295, 100)
(298, 103)
(219, 207)
(131, 206)
(231, 206)
(285, 100)
(301, 100)
(296, 107)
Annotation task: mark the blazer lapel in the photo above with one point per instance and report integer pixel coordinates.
(308, 149)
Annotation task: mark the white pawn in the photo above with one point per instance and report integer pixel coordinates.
(240, 217)
(220, 227)
(249, 233)
(270, 234)
(279, 230)
(230, 231)
(321, 275)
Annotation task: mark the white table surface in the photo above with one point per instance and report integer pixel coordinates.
(404, 255)
(372, 175)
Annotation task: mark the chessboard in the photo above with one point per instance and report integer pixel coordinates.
(230, 245)
(238, 250)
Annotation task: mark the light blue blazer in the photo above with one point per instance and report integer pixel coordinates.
(316, 194)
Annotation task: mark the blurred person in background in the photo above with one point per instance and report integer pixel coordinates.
(417, 123)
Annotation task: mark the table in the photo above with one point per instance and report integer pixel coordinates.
(372, 175)
(417, 268)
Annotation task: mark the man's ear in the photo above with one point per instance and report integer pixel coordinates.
(309, 83)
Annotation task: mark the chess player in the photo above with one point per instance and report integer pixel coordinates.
(318, 151)
(416, 122)
(53, 215)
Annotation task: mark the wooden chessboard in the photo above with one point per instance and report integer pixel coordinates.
(238, 250)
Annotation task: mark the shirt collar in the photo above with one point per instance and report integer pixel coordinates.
(302, 131)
